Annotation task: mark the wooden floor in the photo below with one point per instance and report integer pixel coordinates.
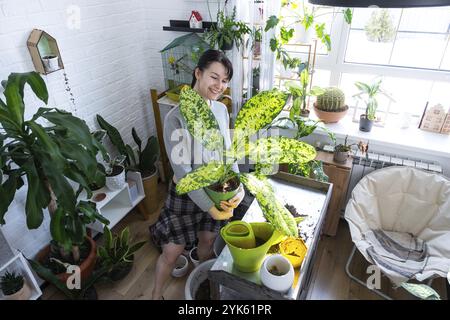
(329, 280)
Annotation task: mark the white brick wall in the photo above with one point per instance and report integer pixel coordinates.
(112, 61)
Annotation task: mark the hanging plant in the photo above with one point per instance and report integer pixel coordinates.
(380, 27)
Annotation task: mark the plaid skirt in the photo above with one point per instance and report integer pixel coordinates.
(180, 220)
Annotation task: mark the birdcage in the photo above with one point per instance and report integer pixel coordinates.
(180, 57)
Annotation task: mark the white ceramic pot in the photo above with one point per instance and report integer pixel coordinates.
(116, 182)
(181, 267)
(195, 261)
(277, 273)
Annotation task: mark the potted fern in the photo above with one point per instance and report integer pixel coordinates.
(14, 286)
(117, 254)
(48, 157)
(256, 114)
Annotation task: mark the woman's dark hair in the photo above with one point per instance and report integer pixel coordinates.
(210, 56)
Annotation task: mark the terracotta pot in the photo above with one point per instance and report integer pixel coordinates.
(149, 206)
(86, 267)
(22, 294)
(329, 117)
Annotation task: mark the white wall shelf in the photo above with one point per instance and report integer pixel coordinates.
(19, 265)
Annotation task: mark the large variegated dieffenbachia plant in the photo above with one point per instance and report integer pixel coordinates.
(47, 156)
(256, 114)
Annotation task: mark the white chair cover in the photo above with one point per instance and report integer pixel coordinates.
(406, 200)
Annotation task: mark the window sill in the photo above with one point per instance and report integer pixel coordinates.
(410, 139)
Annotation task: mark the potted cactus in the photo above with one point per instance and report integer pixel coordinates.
(330, 105)
(14, 286)
(257, 113)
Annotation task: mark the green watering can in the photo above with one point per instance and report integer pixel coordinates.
(249, 243)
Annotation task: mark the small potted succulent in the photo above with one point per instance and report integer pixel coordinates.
(330, 106)
(14, 286)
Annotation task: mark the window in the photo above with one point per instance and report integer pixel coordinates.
(412, 55)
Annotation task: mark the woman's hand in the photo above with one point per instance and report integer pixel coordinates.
(217, 214)
(233, 202)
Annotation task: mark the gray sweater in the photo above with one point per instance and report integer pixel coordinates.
(186, 154)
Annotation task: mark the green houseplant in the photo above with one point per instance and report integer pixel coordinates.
(117, 254)
(144, 163)
(368, 93)
(227, 31)
(14, 286)
(48, 157)
(257, 113)
(305, 17)
(380, 27)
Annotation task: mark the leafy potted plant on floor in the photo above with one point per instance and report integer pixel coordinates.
(14, 286)
(117, 253)
(304, 127)
(368, 94)
(48, 157)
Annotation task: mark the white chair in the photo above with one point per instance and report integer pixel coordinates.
(402, 200)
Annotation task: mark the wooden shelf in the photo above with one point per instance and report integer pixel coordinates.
(183, 26)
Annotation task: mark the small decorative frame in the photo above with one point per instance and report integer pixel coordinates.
(40, 45)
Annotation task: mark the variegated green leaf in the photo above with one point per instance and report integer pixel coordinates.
(257, 113)
(273, 210)
(200, 120)
(201, 177)
(280, 150)
(421, 291)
